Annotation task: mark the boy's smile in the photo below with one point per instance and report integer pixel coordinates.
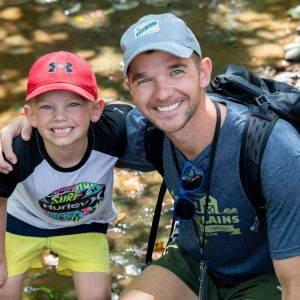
(62, 119)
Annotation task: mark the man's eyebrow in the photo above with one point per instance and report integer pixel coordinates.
(177, 65)
(137, 76)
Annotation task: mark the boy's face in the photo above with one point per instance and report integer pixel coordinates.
(62, 117)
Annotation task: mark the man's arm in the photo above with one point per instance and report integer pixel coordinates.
(3, 215)
(17, 125)
(288, 274)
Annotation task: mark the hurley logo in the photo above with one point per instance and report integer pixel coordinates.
(67, 67)
(146, 28)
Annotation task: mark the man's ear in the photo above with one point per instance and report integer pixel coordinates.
(97, 109)
(205, 72)
(127, 83)
(126, 80)
(28, 112)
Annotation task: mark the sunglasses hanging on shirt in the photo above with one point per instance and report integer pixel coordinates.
(191, 181)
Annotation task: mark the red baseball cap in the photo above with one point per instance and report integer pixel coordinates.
(62, 71)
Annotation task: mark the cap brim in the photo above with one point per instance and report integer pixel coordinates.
(60, 86)
(173, 48)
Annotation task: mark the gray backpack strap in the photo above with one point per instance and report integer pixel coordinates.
(257, 130)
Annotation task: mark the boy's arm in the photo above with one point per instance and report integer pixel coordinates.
(3, 216)
(17, 125)
(113, 101)
(135, 156)
(20, 125)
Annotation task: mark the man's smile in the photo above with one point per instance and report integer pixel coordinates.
(169, 107)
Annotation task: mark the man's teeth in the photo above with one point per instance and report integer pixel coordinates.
(168, 108)
(62, 130)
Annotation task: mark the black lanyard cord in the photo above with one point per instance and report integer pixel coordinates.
(211, 164)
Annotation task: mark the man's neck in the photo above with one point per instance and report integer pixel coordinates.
(199, 131)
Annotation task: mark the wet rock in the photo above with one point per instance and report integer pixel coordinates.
(288, 77)
(132, 270)
(124, 5)
(45, 1)
(295, 12)
(292, 51)
(73, 9)
(290, 73)
(11, 14)
(12, 2)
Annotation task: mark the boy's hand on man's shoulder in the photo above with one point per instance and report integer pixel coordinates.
(17, 125)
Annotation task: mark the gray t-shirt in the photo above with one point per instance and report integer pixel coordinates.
(233, 252)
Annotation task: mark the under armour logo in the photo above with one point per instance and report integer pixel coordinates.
(67, 67)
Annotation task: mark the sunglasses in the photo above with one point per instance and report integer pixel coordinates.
(191, 181)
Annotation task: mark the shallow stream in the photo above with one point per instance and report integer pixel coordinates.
(251, 33)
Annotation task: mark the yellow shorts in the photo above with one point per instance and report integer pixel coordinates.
(84, 252)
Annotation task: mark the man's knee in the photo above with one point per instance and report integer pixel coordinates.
(157, 283)
(12, 288)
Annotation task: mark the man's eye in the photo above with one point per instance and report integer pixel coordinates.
(142, 81)
(177, 71)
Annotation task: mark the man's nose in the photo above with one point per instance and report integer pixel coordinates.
(163, 89)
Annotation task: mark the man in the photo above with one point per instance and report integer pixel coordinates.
(167, 78)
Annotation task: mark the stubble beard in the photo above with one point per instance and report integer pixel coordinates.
(189, 113)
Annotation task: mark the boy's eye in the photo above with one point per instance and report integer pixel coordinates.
(45, 107)
(73, 104)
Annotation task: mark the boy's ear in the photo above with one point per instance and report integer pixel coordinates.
(97, 109)
(28, 112)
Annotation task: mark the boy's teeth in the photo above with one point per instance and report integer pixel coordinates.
(168, 108)
(62, 130)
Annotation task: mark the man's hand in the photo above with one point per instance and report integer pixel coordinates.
(18, 125)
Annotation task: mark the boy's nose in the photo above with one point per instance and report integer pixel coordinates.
(60, 115)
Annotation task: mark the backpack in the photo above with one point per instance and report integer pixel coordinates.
(267, 100)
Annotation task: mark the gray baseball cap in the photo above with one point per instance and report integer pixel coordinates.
(164, 32)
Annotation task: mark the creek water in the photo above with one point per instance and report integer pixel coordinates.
(251, 33)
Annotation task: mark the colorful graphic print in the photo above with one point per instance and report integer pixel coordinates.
(72, 203)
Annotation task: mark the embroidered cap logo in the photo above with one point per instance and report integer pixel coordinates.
(67, 66)
(146, 28)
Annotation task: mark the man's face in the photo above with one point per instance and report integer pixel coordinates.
(166, 88)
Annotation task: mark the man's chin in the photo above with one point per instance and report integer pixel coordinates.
(168, 128)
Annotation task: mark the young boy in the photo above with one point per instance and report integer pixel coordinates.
(60, 191)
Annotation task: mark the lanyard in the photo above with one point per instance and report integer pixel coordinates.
(210, 168)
